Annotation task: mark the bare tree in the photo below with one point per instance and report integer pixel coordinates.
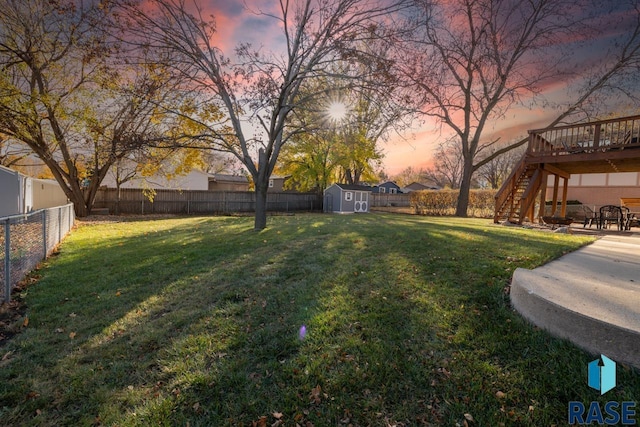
(448, 165)
(497, 168)
(257, 90)
(471, 60)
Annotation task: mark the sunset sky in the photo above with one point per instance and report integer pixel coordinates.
(238, 21)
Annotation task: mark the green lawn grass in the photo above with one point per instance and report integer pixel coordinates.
(196, 321)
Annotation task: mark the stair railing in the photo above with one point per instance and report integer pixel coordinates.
(529, 195)
(508, 187)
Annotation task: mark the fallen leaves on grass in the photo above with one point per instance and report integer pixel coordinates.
(315, 395)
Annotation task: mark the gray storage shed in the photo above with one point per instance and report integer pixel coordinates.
(345, 198)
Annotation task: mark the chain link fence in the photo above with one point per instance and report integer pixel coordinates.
(25, 240)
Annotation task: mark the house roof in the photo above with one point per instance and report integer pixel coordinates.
(229, 178)
(419, 186)
(11, 171)
(389, 183)
(352, 187)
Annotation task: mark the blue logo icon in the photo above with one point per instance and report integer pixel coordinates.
(602, 374)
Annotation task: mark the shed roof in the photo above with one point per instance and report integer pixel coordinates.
(352, 187)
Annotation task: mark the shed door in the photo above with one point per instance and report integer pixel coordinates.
(362, 200)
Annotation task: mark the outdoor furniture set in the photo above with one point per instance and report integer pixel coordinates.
(610, 215)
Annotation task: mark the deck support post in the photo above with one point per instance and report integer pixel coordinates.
(563, 209)
(554, 203)
(543, 196)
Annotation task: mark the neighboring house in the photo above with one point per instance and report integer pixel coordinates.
(345, 198)
(14, 192)
(21, 194)
(46, 193)
(416, 186)
(388, 187)
(597, 189)
(222, 182)
(276, 183)
(194, 180)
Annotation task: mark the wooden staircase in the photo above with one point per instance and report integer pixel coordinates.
(516, 197)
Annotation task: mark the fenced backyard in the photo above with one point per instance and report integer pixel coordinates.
(26, 240)
(372, 319)
(138, 201)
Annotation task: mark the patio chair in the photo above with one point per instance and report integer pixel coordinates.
(590, 217)
(626, 218)
(611, 214)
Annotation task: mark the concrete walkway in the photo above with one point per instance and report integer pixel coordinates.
(590, 297)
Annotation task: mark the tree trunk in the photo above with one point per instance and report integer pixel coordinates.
(465, 186)
(80, 207)
(261, 206)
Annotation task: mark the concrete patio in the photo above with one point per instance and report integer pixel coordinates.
(590, 297)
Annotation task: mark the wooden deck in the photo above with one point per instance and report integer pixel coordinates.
(605, 146)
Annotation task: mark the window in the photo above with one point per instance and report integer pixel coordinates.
(393, 191)
(348, 196)
(271, 183)
(382, 189)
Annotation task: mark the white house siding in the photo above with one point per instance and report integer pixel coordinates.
(194, 180)
(47, 193)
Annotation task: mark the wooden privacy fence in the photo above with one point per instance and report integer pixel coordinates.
(387, 200)
(134, 201)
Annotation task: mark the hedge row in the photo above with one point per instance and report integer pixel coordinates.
(443, 202)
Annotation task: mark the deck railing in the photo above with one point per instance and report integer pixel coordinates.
(600, 136)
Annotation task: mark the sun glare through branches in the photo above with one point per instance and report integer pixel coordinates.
(336, 111)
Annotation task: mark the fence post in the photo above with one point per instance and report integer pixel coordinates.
(7, 262)
(59, 225)
(44, 231)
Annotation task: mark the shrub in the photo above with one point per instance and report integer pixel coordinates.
(444, 202)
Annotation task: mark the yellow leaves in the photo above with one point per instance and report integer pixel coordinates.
(25, 322)
(72, 335)
(189, 159)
